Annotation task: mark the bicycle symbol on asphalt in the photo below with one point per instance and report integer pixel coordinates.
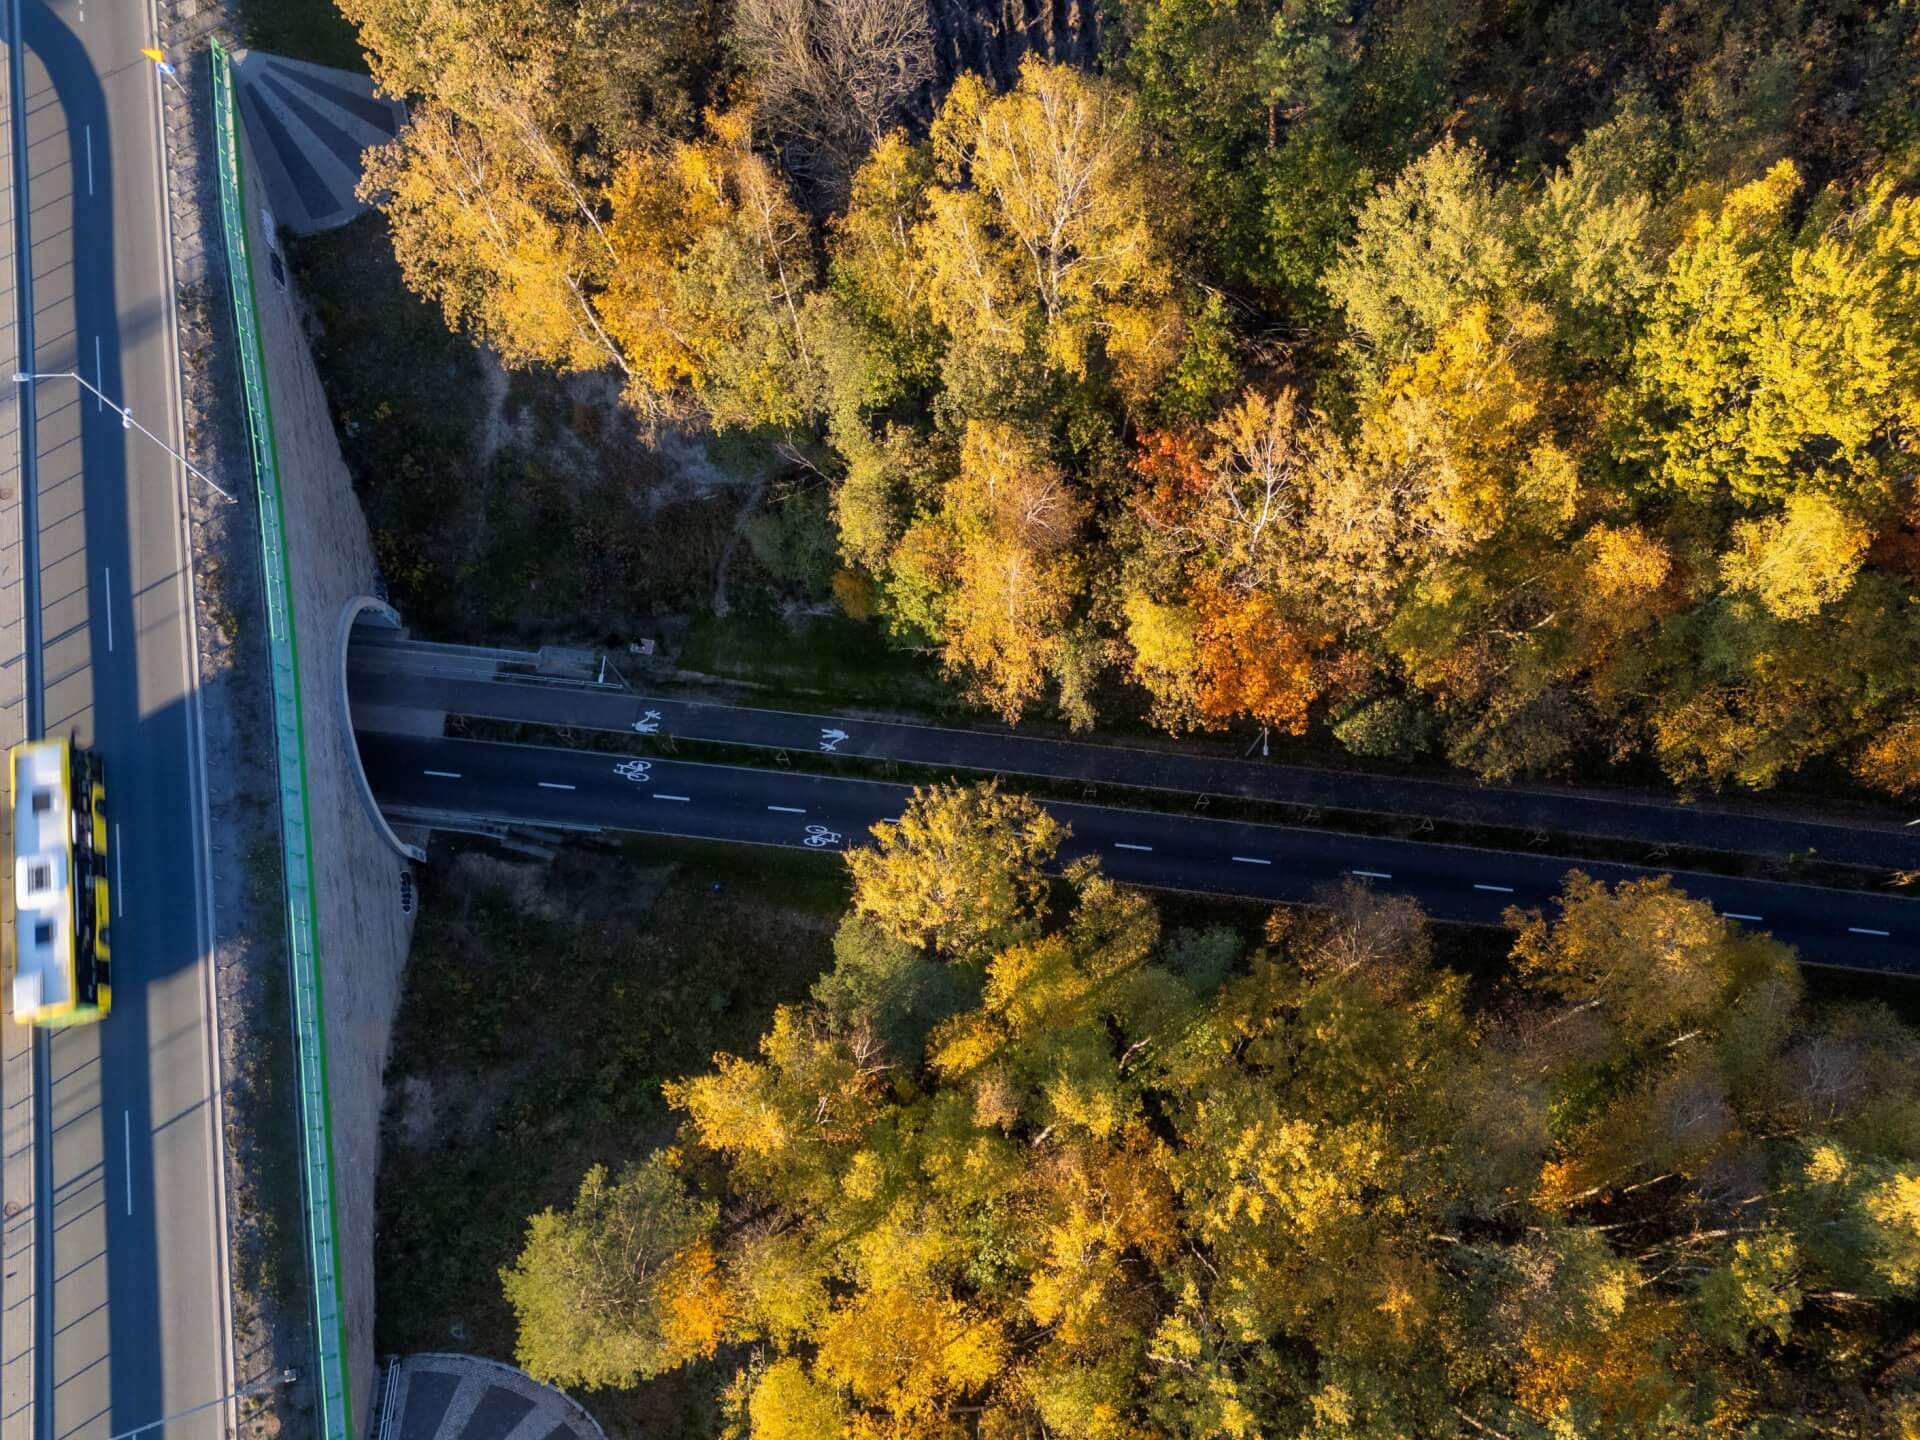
(820, 835)
(634, 770)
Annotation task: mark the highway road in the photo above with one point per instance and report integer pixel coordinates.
(535, 785)
(392, 672)
(133, 1320)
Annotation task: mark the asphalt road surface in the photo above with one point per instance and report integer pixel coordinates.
(534, 785)
(389, 672)
(133, 1325)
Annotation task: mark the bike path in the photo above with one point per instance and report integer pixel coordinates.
(388, 674)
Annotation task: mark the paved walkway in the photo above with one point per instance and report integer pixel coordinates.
(463, 1397)
(309, 125)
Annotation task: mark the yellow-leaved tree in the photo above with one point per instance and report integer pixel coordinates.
(1776, 359)
(963, 872)
(1001, 555)
(1047, 225)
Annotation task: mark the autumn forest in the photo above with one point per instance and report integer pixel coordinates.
(1529, 387)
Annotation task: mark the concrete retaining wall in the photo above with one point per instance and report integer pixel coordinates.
(363, 934)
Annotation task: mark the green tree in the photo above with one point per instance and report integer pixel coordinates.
(586, 1289)
(1436, 240)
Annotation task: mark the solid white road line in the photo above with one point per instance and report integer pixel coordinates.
(89, 159)
(1250, 860)
(109, 608)
(554, 785)
(1862, 930)
(1496, 889)
(789, 809)
(127, 1129)
(99, 377)
(683, 799)
(119, 887)
(1123, 845)
(1371, 874)
(1736, 915)
(442, 774)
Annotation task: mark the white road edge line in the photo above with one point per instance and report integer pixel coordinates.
(127, 1129)
(1736, 915)
(109, 609)
(683, 799)
(1862, 930)
(554, 785)
(1371, 874)
(1250, 860)
(442, 774)
(1123, 845)
(1496, 889)
(119, 886)
(789, 809)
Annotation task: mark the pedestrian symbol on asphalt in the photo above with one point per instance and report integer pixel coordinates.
(649, 723)
(830, 740)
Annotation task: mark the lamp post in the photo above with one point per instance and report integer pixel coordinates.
(285, 1377)
(127, 422)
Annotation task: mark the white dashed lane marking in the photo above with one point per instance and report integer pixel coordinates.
(1123, 845)
(554, 785)
(788, 809)
(1863, 930)
(442, 774)
(683, 799)
(1250, 860)
(1371, 874)
(1496, 889)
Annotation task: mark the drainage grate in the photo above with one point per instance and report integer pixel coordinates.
(406, 893)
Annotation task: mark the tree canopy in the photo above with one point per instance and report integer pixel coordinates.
(1114, 1181)
(1551, 376)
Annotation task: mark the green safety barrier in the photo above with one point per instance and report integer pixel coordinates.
(316, 1115)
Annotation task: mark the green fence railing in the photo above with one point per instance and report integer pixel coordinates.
(316, 1120)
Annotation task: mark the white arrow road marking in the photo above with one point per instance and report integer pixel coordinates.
(1250, 860)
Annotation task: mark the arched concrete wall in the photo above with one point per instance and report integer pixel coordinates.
(376, 612)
